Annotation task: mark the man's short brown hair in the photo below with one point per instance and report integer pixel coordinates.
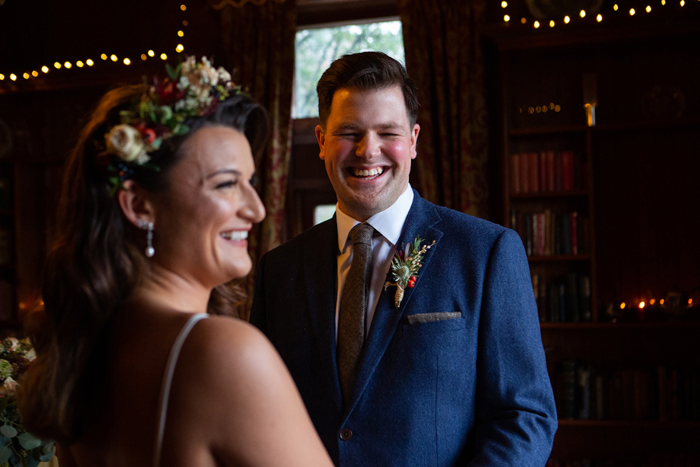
(365, 71)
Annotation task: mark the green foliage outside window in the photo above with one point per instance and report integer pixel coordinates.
(317, 48)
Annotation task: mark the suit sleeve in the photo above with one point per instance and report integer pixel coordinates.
(515, 406)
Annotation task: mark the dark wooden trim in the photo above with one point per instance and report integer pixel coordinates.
(315, 12)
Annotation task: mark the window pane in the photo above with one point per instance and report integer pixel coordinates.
(317, 48)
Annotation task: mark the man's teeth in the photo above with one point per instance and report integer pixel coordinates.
(236, 235)
(368, 173)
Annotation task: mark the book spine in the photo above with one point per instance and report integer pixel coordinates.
(515, 172)
(567, 170)
(573, 230)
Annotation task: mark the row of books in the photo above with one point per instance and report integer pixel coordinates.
(546, 171)
(661, 460)
(548, 233)
(663, 393)
(565, 299)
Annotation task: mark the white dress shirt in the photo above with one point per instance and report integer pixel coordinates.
(388, 225)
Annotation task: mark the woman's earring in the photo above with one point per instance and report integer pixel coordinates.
(148, 226)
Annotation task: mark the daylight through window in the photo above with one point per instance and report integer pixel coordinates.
(317, 48)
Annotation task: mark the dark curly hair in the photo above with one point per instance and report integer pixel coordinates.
(95, 263)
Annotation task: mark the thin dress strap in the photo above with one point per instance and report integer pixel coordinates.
(167, 381)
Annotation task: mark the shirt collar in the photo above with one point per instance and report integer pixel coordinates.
(388, 223)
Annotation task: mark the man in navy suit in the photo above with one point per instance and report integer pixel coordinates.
(451, 369)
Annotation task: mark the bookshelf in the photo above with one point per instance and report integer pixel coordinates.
(625, 368)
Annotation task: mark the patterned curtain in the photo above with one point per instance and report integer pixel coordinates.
(444, 57)
(257, 43)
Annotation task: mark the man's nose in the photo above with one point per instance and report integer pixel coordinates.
(369, 146)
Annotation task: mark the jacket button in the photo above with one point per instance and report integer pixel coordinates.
(345, 434)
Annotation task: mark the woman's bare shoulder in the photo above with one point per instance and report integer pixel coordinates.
(231, 353)
(232, 384)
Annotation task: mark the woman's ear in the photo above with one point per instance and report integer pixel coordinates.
(135, 204)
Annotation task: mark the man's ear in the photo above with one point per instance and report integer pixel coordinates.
(135, 204)
(321, 138)
(414, 140)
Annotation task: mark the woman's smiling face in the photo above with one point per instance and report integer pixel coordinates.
(203, 218)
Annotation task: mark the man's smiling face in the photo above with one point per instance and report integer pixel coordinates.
(367, 146)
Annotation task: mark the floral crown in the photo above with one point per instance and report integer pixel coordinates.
(192, 89)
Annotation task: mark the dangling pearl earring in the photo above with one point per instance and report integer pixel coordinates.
(148, 226)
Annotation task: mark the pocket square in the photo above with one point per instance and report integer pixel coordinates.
(430, 317)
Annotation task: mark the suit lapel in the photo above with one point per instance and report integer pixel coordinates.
(419, 221)
(321, 277)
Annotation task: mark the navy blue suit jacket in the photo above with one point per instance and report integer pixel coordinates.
(468, 390)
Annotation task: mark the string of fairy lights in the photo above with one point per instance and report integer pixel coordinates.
(651, 7)
(89, 62)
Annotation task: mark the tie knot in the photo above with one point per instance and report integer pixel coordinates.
(362, 233)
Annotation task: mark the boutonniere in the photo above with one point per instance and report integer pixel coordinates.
(405, 266)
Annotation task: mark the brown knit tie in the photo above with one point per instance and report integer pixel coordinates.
(353, 304)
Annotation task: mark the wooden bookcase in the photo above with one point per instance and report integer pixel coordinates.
(626, 380)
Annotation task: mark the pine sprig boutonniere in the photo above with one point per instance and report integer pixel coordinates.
(405, 266)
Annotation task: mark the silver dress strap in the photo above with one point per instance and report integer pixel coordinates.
(167, 381)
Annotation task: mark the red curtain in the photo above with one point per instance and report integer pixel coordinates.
(445, 58)
(257, 43)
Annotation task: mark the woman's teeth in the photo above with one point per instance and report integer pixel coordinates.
(368, 173)
(235, 236)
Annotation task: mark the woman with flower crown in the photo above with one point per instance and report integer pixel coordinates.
(157, 203)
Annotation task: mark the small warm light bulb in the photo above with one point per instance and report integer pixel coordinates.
(144, 57)
(623, 305)
(583, 13)
(113, 58)
(690, 301)
(632, 12)
(551, 24)
(151, 53)
(180, 34)
(504, 4)
(183, 7)
(557, 108)
(523, 20)
(179, 48)
(2, 77)
(506, 18)
(682, 2)
(663, 2)
(25, 75)
(127, 61)
(57, 65)
(567, 19)
(652, 301)
(67, 65)
(13, 77)
(599, 18)
(642, 305)
(103, 56)
(163, 56)
(536, 24)
(79, 64)
(89, 62)
(661, 302)
(185, 23)
(615, 7)
(45, 69)
(648, 9)
(35, 73)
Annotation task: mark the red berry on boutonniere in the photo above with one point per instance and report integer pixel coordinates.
(405, 265)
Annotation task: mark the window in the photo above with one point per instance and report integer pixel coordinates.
(317, 48)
